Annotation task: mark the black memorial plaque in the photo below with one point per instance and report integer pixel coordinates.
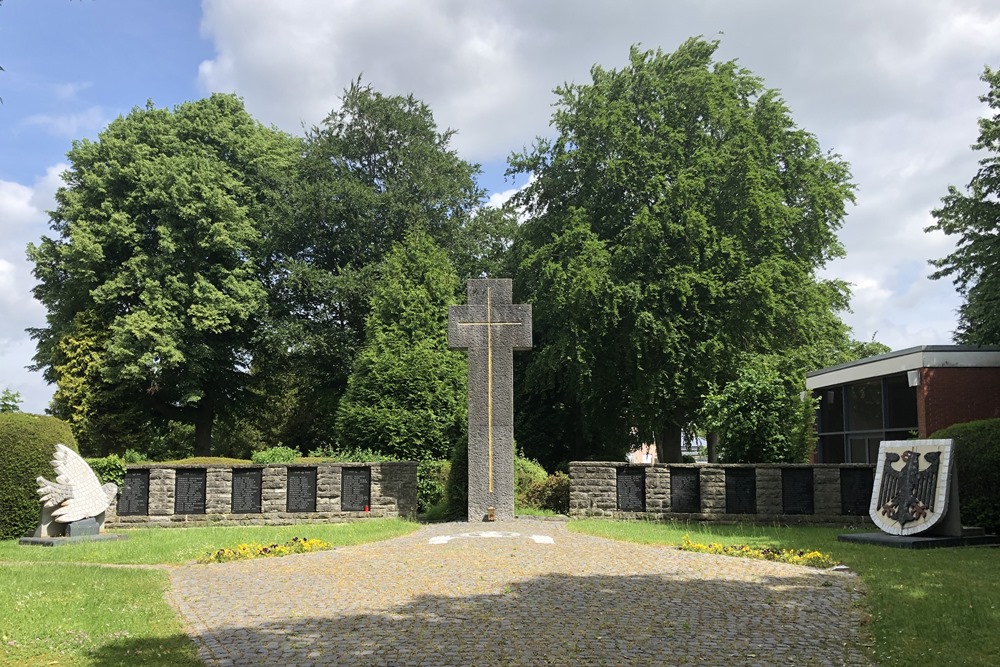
(189, 491)
(247, 484)
(685, 490)
(797, 491)
(301, 490)
(741, 491)
(133, 498)
(355, 489)
(631, 489)
(856, 490)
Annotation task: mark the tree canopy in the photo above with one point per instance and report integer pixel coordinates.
(974, 217)
(155, 280)
(376, 168)
(675, 223)
(207, 271)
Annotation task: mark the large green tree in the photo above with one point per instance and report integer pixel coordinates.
(407, 393)
(156, 279)
(376, 168)
(974, 217)
(675, 223)
(763, 414)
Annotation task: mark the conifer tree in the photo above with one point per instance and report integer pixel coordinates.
(406, 395)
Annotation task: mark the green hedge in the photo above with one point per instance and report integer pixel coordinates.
(277, 454)
(27, 445)
(432, 481)
(550, 494)
(110, 468)
(527, 474)
(977, 459)
(457, 490)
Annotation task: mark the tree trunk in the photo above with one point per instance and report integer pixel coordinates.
(202, 416)
(203, 434)
(668, 444)
(713, 446)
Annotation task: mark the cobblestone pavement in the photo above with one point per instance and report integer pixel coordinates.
(533, 593)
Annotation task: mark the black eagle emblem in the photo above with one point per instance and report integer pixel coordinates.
(907, 494)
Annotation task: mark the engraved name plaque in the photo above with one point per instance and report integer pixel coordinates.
(741, 491)
(189, 491)
(797, 491)
(856, 486)
(685, 490)
(301, 490)
(355, 489)
(133, 499)
(631, 489)
(246, 490)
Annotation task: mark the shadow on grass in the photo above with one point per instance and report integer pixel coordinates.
(659, 619)
(171, 651)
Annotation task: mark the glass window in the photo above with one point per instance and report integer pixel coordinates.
(864, 447)
(831, 409)
(864, 406)
(900, 403)
(859, 450)
(832, 449)
(873, 445)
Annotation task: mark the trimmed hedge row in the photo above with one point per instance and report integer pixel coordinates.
(27, 444)
(977, 458)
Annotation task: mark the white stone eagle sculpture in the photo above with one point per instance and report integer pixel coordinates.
(77, 493)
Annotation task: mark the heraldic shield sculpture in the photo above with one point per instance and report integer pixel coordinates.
(916, 488)
(74, 504)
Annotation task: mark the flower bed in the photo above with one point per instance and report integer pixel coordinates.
(296, 545)
(807, 558)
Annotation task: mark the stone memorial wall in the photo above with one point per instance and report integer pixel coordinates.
(817, 493)
(169, 495)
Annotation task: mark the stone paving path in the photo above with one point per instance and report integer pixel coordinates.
(533, 594)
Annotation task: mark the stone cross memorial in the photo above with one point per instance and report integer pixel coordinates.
(490, 327)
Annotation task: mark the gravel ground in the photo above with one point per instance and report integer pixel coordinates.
(519, 593)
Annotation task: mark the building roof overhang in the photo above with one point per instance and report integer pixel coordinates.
(900, 361)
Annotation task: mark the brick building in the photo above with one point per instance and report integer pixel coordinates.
(900, 395)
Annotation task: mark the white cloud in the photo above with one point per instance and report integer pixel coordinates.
(498, 199)
(23, 220)
(72, 125)
(69, 91)
(892, 86)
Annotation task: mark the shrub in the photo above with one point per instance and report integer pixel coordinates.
(276, 455)
(457, 488)
(432, 480)
(550, 494)
(110, 468)
(977, 462)
(350, 455)
(27, 444)
(527, 473)
(133, 456)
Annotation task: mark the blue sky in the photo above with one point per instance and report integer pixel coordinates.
(891, 86)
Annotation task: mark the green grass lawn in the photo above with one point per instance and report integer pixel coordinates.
(927, 607)
(68, 614)
(58, 608)
(150, 546)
